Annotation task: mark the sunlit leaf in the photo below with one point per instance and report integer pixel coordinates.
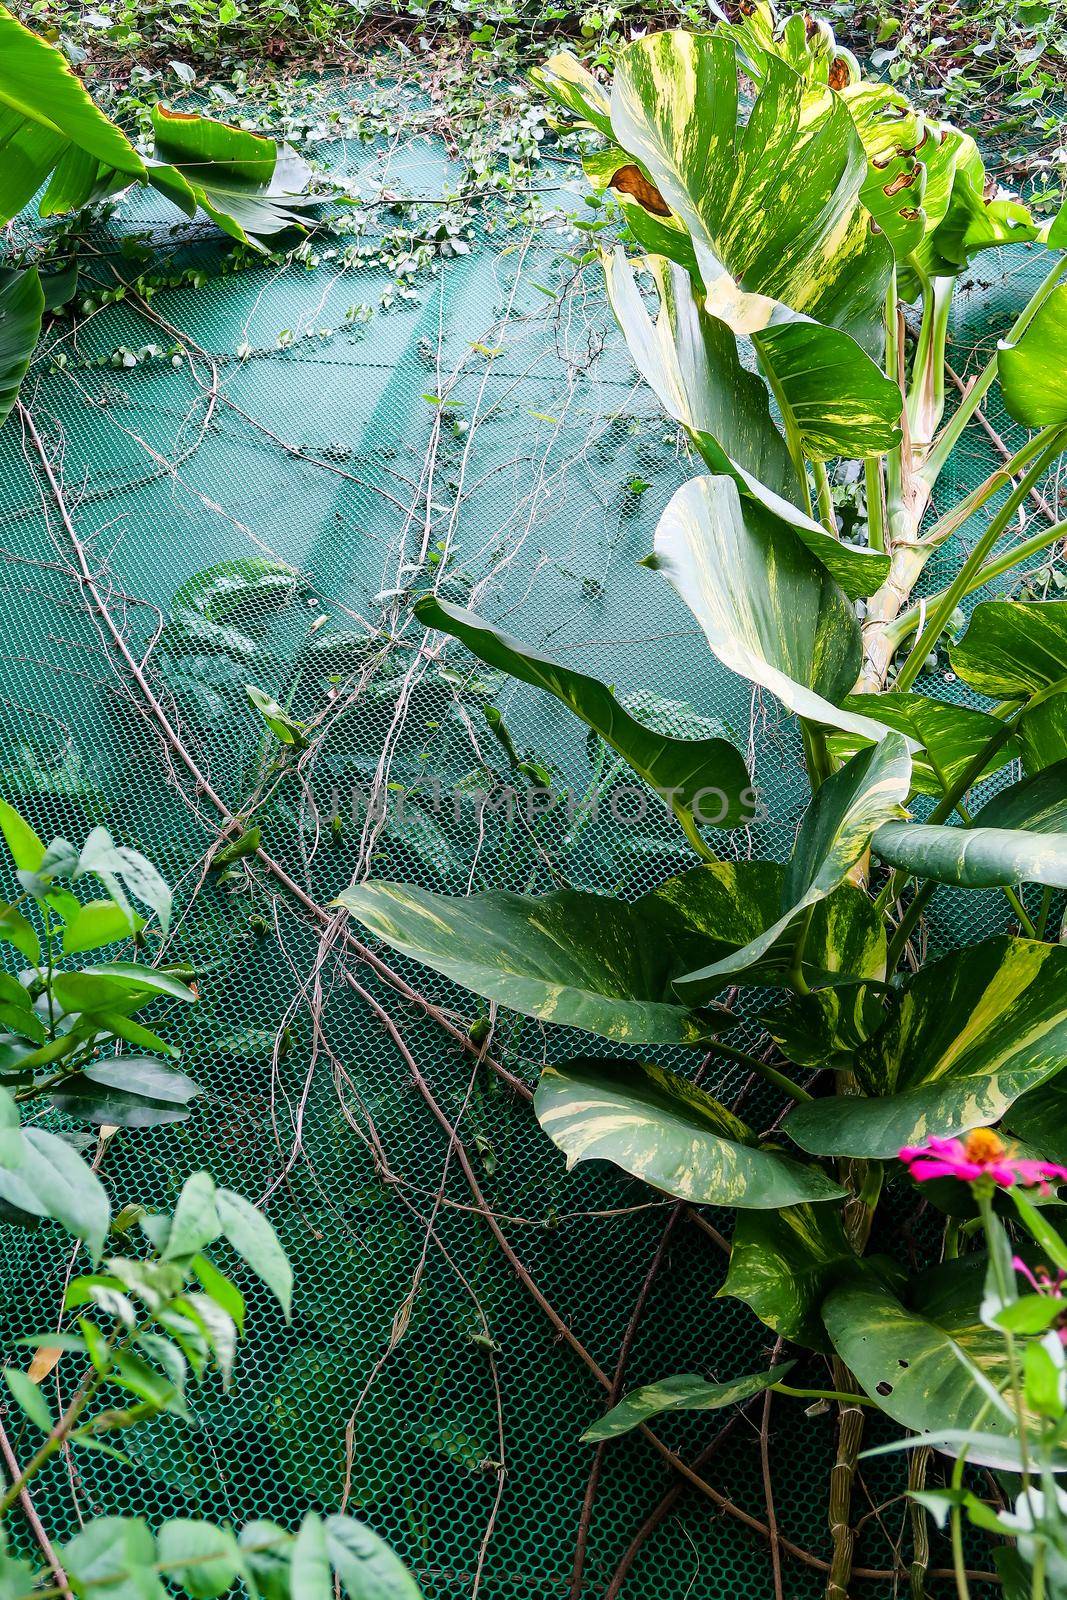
(768, 609)
(659, 1127)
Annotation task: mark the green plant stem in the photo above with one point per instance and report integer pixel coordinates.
(926, 393)
(953, 430)
(816, 753)
(944, 808)
(1037, 1576)
(797, 980)
(824, 1394)
(1053, 443)
(826, 504)
(54, 1442)
(872, 480)
(771, 1074)
(905, 625)
(983, 1193)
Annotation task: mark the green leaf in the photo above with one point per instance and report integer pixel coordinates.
(687, 1392)
(690, 359)
(126, 1092)
(116, 1552)
(21, 307)
(280, 723)
(1033, 370)
(98, 923)
(580, 960)
(367, 1567)
(767, 608)
(256, 1242)
(705, 776)
(924, 1365)
(16, 931)
(27, 850)
(134, 975)
(249, 186)
(962, 220)
(252, 586)
(1039, 1119)
(44, 110)
(1013, 648)
(565, 78)
(217, 1327)
(309, 1566)
(969, 1034)
(783, 1263)
(53, 1181)
(219, 1288)
(1020, 836)
(132, 1032)
(29, 1397)
(265, 1548)
(111, 862)
(947, 737)
(659, 1127)
(772, 206)
(199, 1557)
(195, 1223)
(834, 835)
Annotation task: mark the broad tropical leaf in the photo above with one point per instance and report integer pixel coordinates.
(946, 737)
(969, 1035)
(674, 105)
(925, 1365)
(1039, 1119)
(783, 1264)
(961, 220)
(21, 307)
(1020, 836)
(724, 909)
(1013, 649)
(251, 187)
(659, 1127)
(690, 359)
(708, 774)
(581, 960)
(836, 831)
(888, 128)
(46, 113)
(772, 271)
(1033, 370)
(1017, 650)
(687, 1392)
(767, 608)
(565, 78)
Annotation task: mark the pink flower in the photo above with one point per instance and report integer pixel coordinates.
(981, 1154)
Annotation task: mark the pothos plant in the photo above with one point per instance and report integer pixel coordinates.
(788, 213)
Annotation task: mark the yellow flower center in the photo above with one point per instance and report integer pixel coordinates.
(984, 1147)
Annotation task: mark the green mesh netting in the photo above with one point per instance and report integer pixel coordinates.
(541, 480)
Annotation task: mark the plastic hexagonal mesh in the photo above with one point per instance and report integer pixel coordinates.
(540, 481)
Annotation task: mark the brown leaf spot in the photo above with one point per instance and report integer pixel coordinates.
(903, 180)
(632, 181)
(838, 78)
